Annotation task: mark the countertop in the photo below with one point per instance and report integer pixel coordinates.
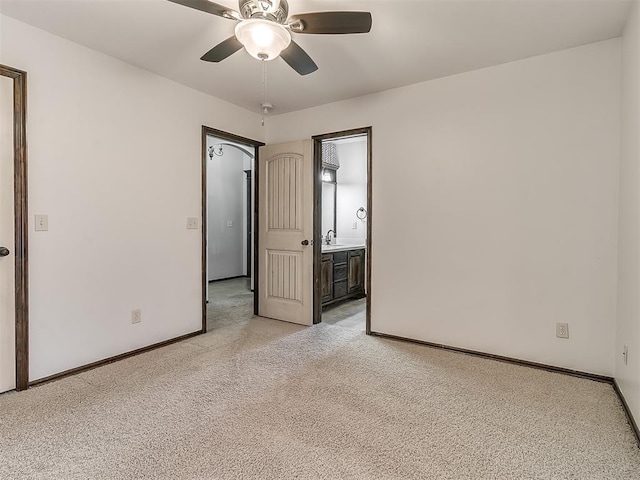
(341, 248)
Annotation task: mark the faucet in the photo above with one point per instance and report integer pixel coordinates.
(327, 238)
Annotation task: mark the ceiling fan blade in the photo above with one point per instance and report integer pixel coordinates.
(210, 7)
(223, 50)
(331, 22)
(298, 59)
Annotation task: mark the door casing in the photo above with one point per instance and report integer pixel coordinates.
(206, 131)
(20, 247)
(317, 219)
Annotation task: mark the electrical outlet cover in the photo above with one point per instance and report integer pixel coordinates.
(562, 330)
(136, 316)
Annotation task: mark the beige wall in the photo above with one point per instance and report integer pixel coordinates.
(628, 325)
(503, 182)
(115, 161)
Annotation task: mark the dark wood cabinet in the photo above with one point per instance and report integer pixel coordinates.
(342, 275)
(326, 278)
(356, 271)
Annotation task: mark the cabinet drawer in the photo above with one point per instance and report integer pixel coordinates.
(356, 253)
(339, 272)
(327, 257)
(340, 257)
(339, 289)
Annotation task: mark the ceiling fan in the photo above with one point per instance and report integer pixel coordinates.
(264, 30)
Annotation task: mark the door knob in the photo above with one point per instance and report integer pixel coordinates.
(4, 251)
(305, 242)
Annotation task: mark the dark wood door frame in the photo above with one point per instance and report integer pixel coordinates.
(21, 222)
(249, 223)
(317, 218)
(206, 131)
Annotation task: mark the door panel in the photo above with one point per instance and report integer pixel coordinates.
(7, 263)
(285, 282)
(356, 271)
(286, 211)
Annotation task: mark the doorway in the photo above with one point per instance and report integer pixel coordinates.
(342, 228)
(229, 224)
(14, 341)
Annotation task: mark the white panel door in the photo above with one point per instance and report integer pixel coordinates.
(285, 272)
(7, 263)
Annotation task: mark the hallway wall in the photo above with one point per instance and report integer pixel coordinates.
(226, 203)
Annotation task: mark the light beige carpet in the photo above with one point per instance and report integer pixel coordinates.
(261, 399)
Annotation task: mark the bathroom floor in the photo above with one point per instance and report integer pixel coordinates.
(231, 302)
(347, 314)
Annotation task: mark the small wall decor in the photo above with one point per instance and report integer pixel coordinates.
(361, 213)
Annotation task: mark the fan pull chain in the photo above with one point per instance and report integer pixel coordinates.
(264, 89)
(265, 105)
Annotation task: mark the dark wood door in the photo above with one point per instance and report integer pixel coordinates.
(356, 271)
(326, 275)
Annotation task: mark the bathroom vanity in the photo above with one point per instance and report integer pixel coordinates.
(342, 273)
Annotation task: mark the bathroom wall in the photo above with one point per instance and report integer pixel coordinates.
(352, 190)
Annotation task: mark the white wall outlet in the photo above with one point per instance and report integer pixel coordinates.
(355, 225)
(42, 223)
(229, 223)
(625, 354)
(562, 330)
(192, 223)
(136, 315)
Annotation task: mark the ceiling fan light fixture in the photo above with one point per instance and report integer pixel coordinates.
(263, 39)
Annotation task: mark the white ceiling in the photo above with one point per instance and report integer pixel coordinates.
(410, 41)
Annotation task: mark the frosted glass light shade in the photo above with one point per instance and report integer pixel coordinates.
(263, 39)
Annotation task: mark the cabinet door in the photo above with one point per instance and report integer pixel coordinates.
(356, 271)
(326, 278)
(340, 289)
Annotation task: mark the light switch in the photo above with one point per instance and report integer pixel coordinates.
(229, 223)
(192, 223)
(355, 225)
(42, 223)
